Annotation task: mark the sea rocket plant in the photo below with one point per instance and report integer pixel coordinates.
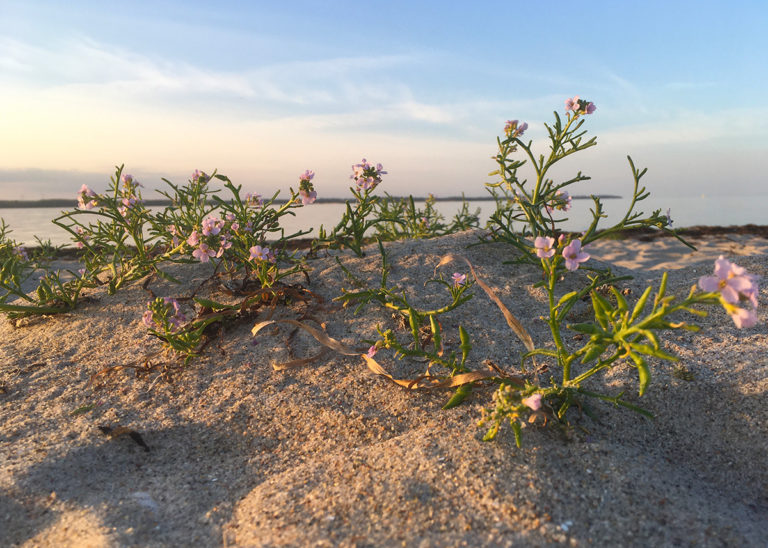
(620, 333)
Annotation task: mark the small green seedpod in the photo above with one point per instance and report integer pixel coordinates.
(593, 352)
(436, 336)
(621, 302)
(640, 305)
(466, 345)
(586, 328)
(459, 396)
(643, 372)
(566, 298)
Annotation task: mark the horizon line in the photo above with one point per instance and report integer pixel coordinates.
(64, 202)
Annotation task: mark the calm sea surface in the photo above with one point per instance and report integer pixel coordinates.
(26, 223)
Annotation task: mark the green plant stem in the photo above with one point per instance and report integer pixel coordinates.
(616, 400)
(554, 321)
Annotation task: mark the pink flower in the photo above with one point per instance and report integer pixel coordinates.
(579, 106)
(306, 188)
(194, 238)
(212, 225)
(574, 255)
(371, 351)
(543, 245)
(533, 401)
(572, 104)
(731, 281)
(458, 279)
(743, 317)
(259, 253)
(147, 318)
(82, 201)
(85, 191)
(203, 253)
(308, 197)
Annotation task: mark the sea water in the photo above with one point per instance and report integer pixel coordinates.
(26, 223)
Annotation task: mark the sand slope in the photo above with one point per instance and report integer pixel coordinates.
(330, 454)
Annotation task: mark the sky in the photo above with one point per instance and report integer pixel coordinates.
(261, 91)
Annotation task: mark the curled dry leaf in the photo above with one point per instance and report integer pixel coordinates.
(421, 382)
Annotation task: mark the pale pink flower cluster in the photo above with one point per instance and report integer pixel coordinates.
(85, 198)
(213, 239)
(199, 177)
(561, 201)
(212, 226)
(735, 286)
(306, 188)
(253, 200)
(175, 233)
(514, 128)
(366, 176)
(20, 253)
(83, 237)
(579, 106)
(573, 253)
(129, 197)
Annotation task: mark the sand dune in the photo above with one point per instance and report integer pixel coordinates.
(330, 454)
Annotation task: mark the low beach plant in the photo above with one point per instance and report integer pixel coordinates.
(120, 240)
(57, 291)
(621, 333)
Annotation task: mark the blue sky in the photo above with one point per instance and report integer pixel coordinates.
(262, 91)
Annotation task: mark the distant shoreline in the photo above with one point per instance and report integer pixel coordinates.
(69, 202)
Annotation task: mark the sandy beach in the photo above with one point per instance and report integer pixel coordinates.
(232, 452)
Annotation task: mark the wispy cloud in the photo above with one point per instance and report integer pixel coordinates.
(731, 128)
(685, 86)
